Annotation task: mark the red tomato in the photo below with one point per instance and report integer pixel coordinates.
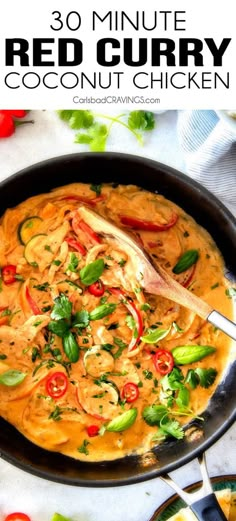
(15, 113)
(57, 384)
(163, 361)
(17, 516)
(8, 274)
(76, 245)
(92, 430)
(97, 288)
(130, 392)
(139, 224)
(7, 127)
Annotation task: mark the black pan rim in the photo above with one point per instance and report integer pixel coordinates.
(221, 209)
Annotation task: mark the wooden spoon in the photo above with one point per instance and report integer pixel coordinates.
(152, 277)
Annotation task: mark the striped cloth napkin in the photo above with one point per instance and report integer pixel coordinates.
(209, 148)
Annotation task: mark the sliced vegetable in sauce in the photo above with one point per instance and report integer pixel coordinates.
(163, 361)
(189, 258)
(8, 273)
(28, 228)
(56, 385)
(12, 377)
(31, 248)
(92, 272)
(191, 353)
(130, 392)
(97, 288)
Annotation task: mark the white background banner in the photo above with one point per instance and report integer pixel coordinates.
(83, 70)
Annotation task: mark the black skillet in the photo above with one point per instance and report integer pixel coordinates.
(210, 213)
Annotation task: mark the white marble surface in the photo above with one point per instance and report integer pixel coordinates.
(20, 491)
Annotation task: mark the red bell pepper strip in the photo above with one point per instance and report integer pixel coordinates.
(8, 274)
(163, 361)
(92, 430)
(31, 302)
(186, 277)
(133, 310)
(76, 245)
(78, 225)
(130, 392)
(139, 224)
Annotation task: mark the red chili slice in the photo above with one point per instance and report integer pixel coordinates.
(130, 392)
(8, 274)
(163, 361)
(31, 302)
(57, 385)
(17, 516)
(97, 288)
(92, 430)
(139, 224)
(76, 245)
(134, 312)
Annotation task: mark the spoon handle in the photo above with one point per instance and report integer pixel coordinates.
(208, 509)
(222, 323)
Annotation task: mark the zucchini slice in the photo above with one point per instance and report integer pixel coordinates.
(28, 228)
(97, 361)
(31, 248)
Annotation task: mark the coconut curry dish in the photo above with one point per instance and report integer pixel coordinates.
(91, 366)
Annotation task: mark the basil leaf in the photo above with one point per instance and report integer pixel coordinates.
(122, 422)
(189, 258)
(58, 327)
(153, 414)
(62, 308)
(91, 273)
(102, 311)
(81, 319)
(71, 347)
(192, 353)
(155, 336)
(12, 377)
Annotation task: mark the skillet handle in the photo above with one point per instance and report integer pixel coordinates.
(208, 509)
(222, 323)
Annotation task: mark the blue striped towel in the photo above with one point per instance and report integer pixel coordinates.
(209, 148)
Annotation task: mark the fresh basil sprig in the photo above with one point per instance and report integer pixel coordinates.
(91, 273)
(71, 347)
(12, 377)
(189, 258)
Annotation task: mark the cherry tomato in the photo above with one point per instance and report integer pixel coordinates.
(76, 245)
(15, 113)
(139, 224)
(163, 361)
(57, 384)
(17, 516)
(130, 392)
(8, 274)
(97, 288)
(92, 430)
